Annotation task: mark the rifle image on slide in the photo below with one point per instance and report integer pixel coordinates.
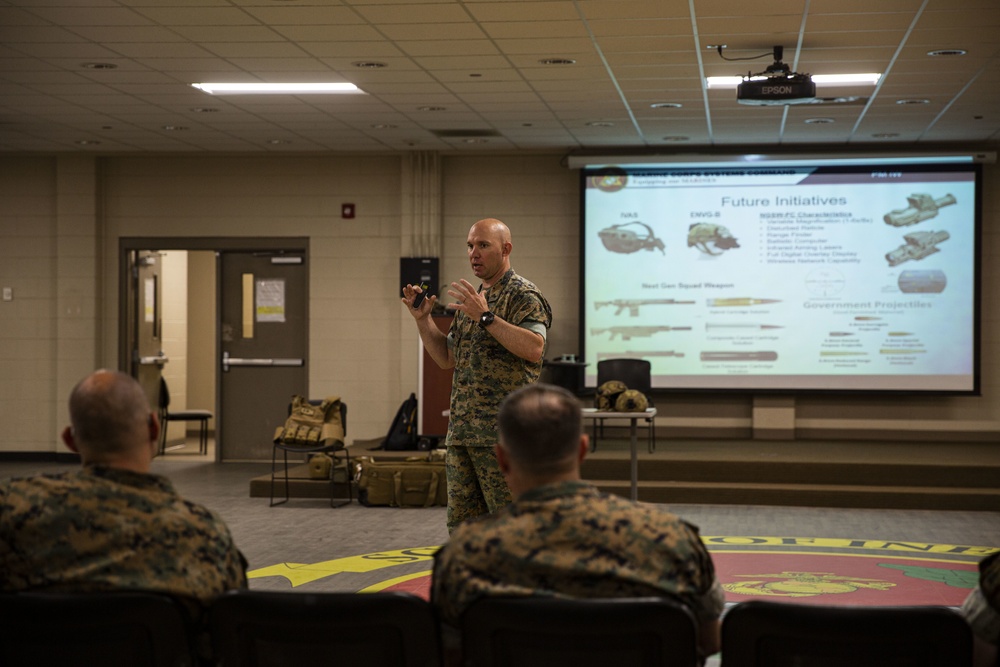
(627, 333)
(633, 304)
(631, 354)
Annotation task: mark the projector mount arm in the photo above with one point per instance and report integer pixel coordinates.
(778, 69)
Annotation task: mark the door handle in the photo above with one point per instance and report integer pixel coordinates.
(158, 360)
(228, 361)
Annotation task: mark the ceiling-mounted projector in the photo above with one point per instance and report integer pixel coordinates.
(776, 85)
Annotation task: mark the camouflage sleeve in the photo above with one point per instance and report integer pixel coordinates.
(528, 306)
(5, 549)
(989, 579)
(441, 598)
(708, 607)
(983, 619)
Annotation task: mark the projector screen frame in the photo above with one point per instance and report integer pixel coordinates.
(847, 163)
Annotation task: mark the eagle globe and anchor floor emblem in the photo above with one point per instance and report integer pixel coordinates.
(809, 570)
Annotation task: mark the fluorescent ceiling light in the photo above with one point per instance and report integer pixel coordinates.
(279, 88)
(869, 78)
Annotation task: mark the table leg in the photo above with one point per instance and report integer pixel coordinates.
(633, 443)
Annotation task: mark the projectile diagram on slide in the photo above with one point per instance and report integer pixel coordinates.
(800, 273)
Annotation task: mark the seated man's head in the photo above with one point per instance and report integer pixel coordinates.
(541, 437)
(112, 423)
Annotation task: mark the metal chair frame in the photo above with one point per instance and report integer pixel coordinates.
(335, 450)
(200, 416)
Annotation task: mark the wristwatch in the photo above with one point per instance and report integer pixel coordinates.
(486, 319)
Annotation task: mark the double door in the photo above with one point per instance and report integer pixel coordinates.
(261, 299)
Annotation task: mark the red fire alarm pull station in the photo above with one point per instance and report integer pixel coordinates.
(347, 210)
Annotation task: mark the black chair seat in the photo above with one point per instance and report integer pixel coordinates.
(547, 631)
(636, 374)
(760, 633)
(306, 629)
(139, 629)
(166, 416)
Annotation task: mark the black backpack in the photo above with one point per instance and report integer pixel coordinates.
(403, 432)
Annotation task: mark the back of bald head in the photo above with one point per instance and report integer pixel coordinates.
(110, 413)
(540, 427)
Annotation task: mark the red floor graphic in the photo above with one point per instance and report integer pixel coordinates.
(802, 570)
(866, 573)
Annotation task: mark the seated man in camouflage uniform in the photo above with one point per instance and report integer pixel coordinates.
(561, 536)
(112, 524)
(982, 609)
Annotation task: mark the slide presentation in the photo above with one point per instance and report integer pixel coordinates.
(784, 275)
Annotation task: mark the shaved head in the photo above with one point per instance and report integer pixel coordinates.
(489, 247)
(110, 414)
(494, 228)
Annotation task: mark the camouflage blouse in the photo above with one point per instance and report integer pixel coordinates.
(485, 371)
(102, 528)
(570, 539)
(982, 606)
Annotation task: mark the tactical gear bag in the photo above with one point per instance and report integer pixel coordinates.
(402, 434)
(320, 466)
(311, 425)
(415, 482)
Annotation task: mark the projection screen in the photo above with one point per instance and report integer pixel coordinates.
(813, 274)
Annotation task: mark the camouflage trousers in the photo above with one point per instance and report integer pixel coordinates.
(475, 484)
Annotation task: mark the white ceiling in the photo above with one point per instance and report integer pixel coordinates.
(478, 61)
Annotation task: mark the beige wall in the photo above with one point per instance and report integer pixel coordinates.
(201, 332)
(62, 219)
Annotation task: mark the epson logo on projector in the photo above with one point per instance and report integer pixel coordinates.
(776, 90)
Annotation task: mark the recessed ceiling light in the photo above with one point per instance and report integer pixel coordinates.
(369, 64)
(99, 66)
(204, 109)
(475, 141)
(947, 52)
(600, 123)
(676, 138)
(475, 75)
(557, 61)
(279, 88)
(818, 121)
(384, 126)
(174, 128)
(885, 135)
(275, 142)
(88, 142)
(665, 105)
(432, 108)
(913, 101)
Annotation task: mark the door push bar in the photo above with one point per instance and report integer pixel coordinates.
(158, 360)
(228, 361)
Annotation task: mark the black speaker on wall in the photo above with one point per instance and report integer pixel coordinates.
(419, 270)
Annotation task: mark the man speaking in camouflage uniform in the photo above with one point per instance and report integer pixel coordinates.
(112, 524)
(496, 344)
(561, 536)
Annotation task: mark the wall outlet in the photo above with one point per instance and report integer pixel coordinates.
(8, 293)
